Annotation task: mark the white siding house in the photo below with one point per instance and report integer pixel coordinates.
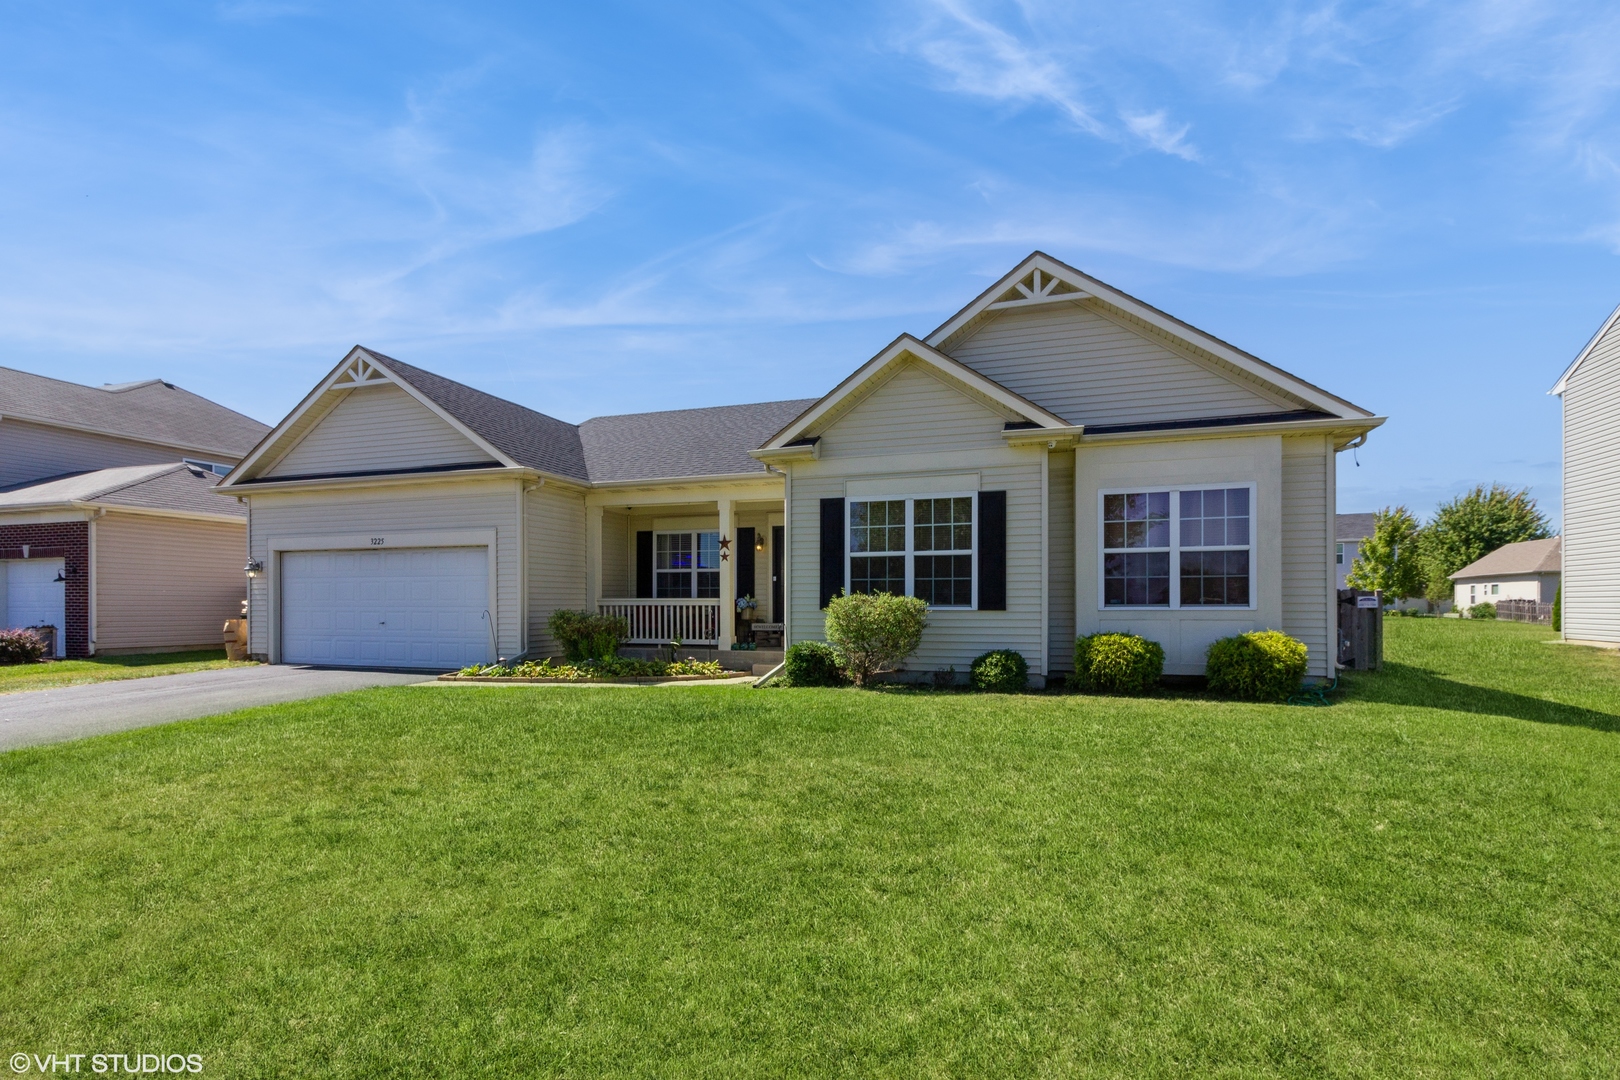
(1058, 458)
(1590, 391)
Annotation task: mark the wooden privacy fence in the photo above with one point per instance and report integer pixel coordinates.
(1524, 610)
(1361, 630)
(658, 622)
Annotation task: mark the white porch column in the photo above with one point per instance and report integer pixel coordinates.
(593, 556)
(728, 572)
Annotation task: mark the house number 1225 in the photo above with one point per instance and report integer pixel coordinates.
(378, 541)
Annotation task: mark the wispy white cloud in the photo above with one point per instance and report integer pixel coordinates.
(985, 59)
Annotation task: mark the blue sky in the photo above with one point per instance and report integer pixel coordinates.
(613, 207)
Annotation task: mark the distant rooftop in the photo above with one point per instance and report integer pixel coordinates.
(1528, 557)
(171, 486)
(150, 411)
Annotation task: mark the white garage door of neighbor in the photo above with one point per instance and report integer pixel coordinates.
(35, 595)
(405, 607)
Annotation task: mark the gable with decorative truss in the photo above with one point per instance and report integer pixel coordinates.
(363, 419)
(376, 427)
(1037, 287)
(1098, 356)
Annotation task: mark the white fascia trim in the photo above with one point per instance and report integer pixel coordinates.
(1586, 350)
(1100, 290)
(903, 347)
(687, 481)
(164, 444)
(257, 454)
(388, 480)
(788, 453)
(1331, 425)
(77, 507)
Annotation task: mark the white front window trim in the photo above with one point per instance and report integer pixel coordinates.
(1172, 548)
(914, 545)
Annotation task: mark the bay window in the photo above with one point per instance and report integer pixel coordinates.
(686, 565)
(1204, 534)
(920, 546)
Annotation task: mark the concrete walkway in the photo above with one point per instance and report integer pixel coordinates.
(72, 712)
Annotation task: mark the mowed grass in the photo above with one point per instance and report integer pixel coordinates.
(15, 677)
(1423, 880)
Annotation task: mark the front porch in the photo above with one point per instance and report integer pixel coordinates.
(673, 563)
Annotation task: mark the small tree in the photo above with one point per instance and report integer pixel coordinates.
(1389, 559)
(873, 632)
(1472, 526)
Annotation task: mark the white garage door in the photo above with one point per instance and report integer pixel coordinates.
(34, 595)
(406, 607)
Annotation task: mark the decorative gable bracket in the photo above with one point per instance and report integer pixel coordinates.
(359, 372)
(1038, 287)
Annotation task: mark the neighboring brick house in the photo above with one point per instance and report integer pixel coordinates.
(109, 527)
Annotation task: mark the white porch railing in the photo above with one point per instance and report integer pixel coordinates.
(658, 622)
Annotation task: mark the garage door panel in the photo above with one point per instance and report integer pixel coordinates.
(418, 607)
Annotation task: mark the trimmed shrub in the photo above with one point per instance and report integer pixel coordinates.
(1482, 611)
(585, 635)
(873, 633)
(1117, 664)
(1262, 665)
(1558, 608)
(1000, 671)
(21, 647)
(812, 663)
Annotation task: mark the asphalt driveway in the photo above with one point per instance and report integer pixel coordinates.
(72, 712)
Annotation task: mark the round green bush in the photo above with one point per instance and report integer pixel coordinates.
(1000, 671)
(1262, 665)
(1482, 611)
(812, 663)
(1117, 664)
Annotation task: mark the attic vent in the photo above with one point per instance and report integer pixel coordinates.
(1038, 287)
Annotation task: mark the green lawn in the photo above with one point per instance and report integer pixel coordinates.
(14, 677)
(1423, 880)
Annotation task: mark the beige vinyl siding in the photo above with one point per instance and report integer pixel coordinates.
(1307, 533)
(166, 583)
(555, 518)
(912, 408)
(915, 425)
(1093, 370)
(35, 451)
(1185, 633)
(1060, 559)
(431, 506)
(376, 428)
(617, 555)
(1590, 608)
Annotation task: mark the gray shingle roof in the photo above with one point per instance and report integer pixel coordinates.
(633, 446)
(171, 486)
(529, 438)
(1526, 557)
(683, 442)
(1352, 526)
(151, 411)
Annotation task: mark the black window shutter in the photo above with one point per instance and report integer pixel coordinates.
(992, 551)
(644, 575)
(745, 562)
(832, 549)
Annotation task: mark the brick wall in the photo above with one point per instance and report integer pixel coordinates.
(69, 541)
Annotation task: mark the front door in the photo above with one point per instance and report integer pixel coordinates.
(778, 532)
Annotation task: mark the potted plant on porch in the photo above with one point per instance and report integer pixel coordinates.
(747, 608)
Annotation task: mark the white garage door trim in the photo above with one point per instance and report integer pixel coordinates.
(459, 538)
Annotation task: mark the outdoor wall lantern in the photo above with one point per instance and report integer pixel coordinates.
(759, 541)
(60, 576)
(254, 568)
